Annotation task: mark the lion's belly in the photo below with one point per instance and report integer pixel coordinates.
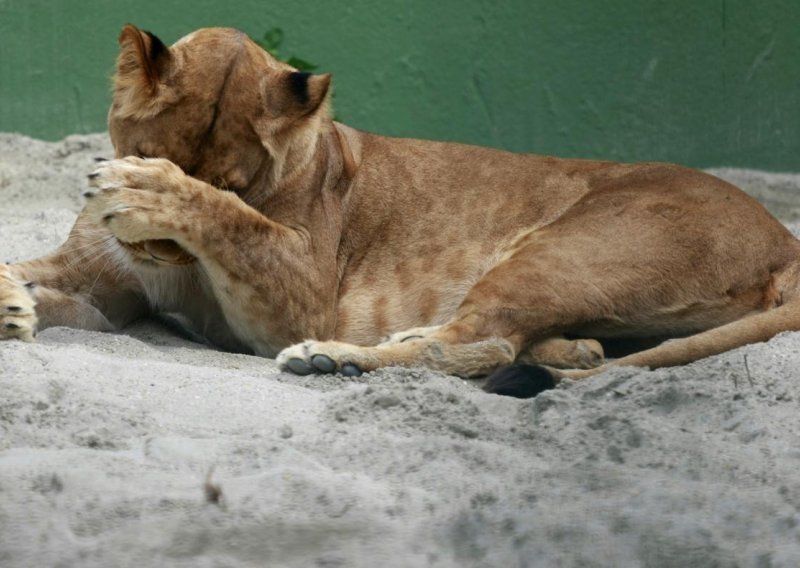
(396, 292)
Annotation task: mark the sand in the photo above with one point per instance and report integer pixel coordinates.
(139, 448)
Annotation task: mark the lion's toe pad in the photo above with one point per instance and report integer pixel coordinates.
(325, 358)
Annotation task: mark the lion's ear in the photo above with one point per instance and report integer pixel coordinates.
(142, 58)
(301, 94)
(309, 91)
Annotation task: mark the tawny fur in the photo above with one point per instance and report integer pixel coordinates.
(328, 239)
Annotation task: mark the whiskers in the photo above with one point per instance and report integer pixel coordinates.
(115, 263)
(96, 247)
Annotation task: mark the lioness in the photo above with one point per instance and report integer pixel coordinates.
(238, 203)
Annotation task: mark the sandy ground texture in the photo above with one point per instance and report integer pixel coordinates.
(108, 443)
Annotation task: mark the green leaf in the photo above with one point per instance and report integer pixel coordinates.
(272, 40)
(301, 64)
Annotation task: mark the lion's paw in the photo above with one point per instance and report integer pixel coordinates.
(17, 308)
(152, 174)
(319, 357)
(137, 199)
(588, 353)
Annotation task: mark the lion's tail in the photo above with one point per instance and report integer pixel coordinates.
(528, 380)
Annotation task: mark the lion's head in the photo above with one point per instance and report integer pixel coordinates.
(218, 106)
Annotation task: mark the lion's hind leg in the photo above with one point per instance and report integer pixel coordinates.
(564, 353)
(522, 380)
(557, 352)
(754, 328)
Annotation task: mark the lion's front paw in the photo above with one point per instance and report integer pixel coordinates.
(320, 357)
(17, 308)
(138, 199)
(152, 174)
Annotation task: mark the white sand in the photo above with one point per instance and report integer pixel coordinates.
(106, 441)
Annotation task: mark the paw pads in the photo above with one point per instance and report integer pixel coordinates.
(350, 370)
(299, 367)
(321, 364)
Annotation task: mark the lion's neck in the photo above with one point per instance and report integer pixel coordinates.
(304, 150)
(306, 187)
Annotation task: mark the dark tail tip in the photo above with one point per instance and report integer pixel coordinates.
(520, 381)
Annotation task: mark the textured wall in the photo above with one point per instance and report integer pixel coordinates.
(698, 82)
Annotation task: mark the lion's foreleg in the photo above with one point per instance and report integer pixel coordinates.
(82, 285)
(449, 349)
(262, 273)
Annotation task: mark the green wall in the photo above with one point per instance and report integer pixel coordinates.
(699, 82)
